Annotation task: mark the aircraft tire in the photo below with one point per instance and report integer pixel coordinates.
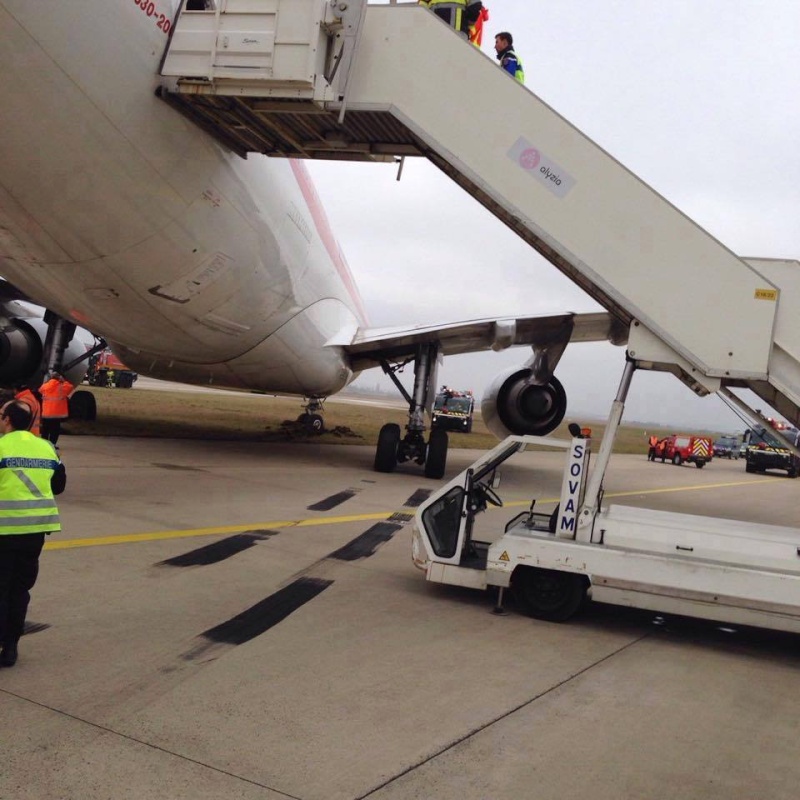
(83, 406)
(386, 450)
(314, 423)
(436, 459)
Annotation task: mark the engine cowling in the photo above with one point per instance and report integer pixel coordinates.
(22, 349)
(515, 404)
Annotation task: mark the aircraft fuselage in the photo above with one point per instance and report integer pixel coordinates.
(120, 215)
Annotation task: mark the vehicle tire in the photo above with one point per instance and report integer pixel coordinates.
(749, 468)
(386, 451)
(83, 406)
(436, 457)
(549, 594)
(792, 472)
(677, 460)
(699, 464)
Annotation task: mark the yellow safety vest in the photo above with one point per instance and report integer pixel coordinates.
(458, 6)
(27, 464)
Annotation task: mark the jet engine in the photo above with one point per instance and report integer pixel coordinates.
(22, 352)
(514, 403)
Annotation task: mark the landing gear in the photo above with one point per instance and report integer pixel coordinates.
(311, 420)
(393, 449)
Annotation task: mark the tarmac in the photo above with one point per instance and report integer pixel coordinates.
(227, 620)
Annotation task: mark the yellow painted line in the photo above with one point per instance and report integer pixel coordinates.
(649, 491)
(690, 488)
(129, 538)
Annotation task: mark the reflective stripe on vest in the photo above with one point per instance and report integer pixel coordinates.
(26, 498)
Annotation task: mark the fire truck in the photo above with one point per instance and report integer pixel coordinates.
(680, 448)
(453, 410)
(105, 369)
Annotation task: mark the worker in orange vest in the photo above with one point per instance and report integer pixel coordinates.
(28, 396)
(55, 406)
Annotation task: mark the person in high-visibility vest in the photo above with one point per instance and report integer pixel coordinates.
(30, 399)
(55, 405)
(458, 14)
(509, 61)
(28, 512)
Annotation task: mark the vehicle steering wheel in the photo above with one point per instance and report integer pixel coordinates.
(489, 494)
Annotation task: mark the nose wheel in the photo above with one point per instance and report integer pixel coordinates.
(311, 420)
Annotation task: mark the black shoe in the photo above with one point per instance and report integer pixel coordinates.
(9, 655)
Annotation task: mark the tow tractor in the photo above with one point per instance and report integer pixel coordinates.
(695, 566)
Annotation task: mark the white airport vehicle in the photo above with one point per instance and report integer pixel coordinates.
(690, 565)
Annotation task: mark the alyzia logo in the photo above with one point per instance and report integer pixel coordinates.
(551, 176)
(557, 180)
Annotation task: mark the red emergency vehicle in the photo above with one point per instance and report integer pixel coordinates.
(683, 447)
(105, 369)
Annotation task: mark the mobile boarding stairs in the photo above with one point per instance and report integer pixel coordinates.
(345, 80)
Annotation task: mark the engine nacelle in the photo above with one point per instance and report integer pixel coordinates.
(515, 404)
(22, 350)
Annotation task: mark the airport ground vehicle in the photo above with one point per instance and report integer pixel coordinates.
(453, 410)
(684, 448)
(553, 562)
(105, 369)
(765, 451)
(727, 447)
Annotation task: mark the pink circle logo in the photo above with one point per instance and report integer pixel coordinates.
(529, 158)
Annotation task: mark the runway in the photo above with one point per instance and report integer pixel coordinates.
(244, 621)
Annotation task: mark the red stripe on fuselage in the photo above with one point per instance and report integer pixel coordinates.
(326, 235)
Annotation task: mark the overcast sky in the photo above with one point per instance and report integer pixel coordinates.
(697, 97)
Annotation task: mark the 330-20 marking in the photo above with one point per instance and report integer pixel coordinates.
(149, 8)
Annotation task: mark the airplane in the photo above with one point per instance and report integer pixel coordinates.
(196, 265)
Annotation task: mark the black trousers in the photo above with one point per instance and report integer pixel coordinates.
(50, 428)
(19, 568)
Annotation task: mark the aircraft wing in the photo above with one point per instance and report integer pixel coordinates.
(368, 347)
